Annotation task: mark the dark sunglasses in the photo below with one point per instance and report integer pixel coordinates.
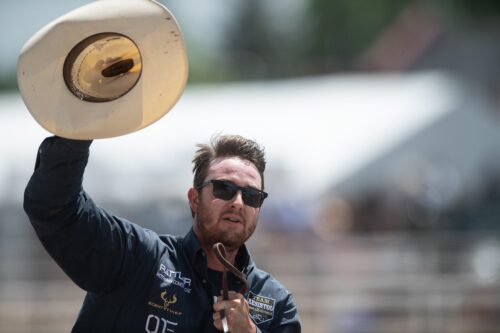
(226, 190)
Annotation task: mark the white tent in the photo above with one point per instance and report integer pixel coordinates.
(316, 132)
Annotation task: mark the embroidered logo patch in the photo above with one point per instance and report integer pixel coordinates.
(169, 276)
(166, 304)
(261, 308)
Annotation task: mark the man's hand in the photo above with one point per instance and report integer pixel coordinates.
(237, 314)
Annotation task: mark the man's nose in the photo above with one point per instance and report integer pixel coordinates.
(237, 199)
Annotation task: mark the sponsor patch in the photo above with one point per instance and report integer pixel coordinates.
(165, 304)
(261, 308)
(169, 277)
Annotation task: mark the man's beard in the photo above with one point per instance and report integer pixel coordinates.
(232, 240)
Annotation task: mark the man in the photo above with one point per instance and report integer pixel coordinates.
(138, 281)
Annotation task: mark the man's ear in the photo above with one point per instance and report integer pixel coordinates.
(194, 199)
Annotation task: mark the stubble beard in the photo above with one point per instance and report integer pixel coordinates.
(232, 240)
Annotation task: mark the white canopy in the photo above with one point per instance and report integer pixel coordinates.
(316, 132)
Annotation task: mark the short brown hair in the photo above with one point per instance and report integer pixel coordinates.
(227, 146)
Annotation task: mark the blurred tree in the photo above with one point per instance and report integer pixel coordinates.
(264, 42)
(341, 30)
(8, 81)
(331, 36)
(464, 12)
(248, 44)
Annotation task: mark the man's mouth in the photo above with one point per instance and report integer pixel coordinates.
(232, 218)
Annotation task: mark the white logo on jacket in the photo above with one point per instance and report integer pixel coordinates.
(171, 276)
(155, 324)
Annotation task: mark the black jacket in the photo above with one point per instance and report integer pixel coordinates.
(136, 280)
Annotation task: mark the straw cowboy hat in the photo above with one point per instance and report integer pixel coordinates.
(105, 69)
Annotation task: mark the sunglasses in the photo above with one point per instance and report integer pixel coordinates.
(226, 190)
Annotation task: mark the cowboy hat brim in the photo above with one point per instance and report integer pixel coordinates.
(156, 89)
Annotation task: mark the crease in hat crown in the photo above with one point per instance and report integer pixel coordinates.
(149, 80)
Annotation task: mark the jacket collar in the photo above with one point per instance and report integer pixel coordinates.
(198, 259)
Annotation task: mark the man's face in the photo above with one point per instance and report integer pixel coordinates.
(230, 222)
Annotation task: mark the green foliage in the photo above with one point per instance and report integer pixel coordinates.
(8, 82)
(342, 29)
(466, 12)
(248, 49)
(336, 34)
(330, 37)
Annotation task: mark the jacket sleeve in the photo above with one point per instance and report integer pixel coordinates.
(95, 249)
(287, 319)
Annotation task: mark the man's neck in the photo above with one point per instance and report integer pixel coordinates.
(212, 260)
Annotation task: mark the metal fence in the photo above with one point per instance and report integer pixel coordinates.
(426, 282)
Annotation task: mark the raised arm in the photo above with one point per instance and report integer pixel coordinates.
(94, 248)
(54, 192)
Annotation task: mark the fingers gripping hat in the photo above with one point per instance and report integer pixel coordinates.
(105, 69)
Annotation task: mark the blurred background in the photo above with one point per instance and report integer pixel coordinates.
(381, 122)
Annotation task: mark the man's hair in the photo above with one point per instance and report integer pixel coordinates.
(227, 146)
